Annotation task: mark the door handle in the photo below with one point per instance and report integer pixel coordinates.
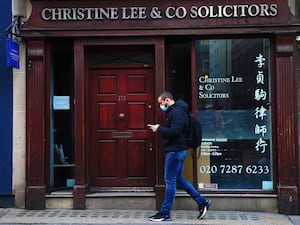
(121, 116)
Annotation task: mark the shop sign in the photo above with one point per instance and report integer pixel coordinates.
(156, 13)
(12, 53)
(102, 15)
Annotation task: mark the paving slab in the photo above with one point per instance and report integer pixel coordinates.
(295, 220)
(101, 216)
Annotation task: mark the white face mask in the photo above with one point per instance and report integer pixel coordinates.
(163, 108)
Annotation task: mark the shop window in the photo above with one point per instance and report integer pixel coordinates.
(179, 69)
(61, 116)
(233, 103)
(178, 53)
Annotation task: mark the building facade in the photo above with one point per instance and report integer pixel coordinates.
(6, 112)
(93, 70)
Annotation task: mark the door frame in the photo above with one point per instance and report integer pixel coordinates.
(80, 127)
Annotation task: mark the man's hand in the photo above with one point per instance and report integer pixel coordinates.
(153, 127)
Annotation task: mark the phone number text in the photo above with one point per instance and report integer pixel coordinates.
(235, 169)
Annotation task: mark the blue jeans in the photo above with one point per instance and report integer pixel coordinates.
(173, 175)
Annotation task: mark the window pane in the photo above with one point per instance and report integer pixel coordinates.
(233, 103)
(61, 115)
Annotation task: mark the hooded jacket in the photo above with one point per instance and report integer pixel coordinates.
(174, 129)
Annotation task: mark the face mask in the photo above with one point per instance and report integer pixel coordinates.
(163, 108)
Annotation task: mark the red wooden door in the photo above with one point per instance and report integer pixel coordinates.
(121, 105)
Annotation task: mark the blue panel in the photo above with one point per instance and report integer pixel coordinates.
(6, 105)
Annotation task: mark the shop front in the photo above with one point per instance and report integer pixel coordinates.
(93, 73)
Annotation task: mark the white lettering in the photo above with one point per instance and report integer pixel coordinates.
(213, 95)
(124, 15)
(243, 10)
(133, 13)
(193, 12)
(106, 13)
(205, 13)
(236, 79)
(211, 12)
(74, 13)
(264, 10)
(235, 11)
(168, 12)
(253, 10)
(80, 14)
(171, 12)
(220, 14)
(56, 14)
(206, 79)
(227, 11)
(209, 87)
(181, 12)
(46, 14)
(273, 10)
(89, 13)
(143, 14)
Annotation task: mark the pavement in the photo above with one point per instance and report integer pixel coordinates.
(107, 216)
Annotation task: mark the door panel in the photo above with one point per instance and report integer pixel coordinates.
(120, 106)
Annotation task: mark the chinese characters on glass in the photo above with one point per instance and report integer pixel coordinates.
(233, 96)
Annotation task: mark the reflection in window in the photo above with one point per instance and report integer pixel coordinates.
(233, 102)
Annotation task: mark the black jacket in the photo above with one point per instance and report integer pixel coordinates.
(174, 129)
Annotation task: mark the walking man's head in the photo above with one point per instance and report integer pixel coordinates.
(165, 100)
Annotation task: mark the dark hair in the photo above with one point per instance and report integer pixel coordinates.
(166, 94)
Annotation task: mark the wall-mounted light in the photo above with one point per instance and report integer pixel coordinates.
(14, 29)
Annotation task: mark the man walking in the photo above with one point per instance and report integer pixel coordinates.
(174, 143)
